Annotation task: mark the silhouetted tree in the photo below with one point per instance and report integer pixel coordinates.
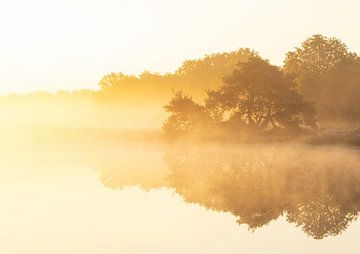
(259, 95)
(187, 117)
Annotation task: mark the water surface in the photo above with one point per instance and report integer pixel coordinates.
(150, 198)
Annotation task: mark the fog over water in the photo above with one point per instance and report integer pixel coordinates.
(97, 197)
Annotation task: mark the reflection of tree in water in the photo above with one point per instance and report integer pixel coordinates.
(318, 191)
(119, 177)
(133, 167)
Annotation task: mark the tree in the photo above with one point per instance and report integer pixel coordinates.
(187, 117)
(259, 95)
(317, 56)
(327, 74)
(206, 73)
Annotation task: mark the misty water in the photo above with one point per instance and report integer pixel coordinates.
(160, 198)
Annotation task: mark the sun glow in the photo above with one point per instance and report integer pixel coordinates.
(51, 45)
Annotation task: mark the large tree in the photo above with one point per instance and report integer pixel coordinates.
(259, 95)
(327, 74)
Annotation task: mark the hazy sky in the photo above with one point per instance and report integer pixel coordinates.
(71, 44)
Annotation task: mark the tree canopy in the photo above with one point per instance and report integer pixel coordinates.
(260, 95)
(193, 77)
(257, 96)
(319, 83)
(327, 74)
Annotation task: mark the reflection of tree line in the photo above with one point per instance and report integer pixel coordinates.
(318, 191)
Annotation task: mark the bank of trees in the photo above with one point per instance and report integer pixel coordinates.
(231, 93)
(318, 84)
(192, 77)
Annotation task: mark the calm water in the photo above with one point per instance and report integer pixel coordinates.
(137, 198)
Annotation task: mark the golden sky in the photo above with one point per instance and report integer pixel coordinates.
(71, 44)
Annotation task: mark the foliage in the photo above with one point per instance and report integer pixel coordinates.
(259, 95)
(186, 116)
(256, 97)
(193, 77)
(327, 74)
(206, 73)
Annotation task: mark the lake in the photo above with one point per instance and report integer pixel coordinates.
(157, 198)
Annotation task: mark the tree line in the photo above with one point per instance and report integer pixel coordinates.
(318, 84)
(226, 93)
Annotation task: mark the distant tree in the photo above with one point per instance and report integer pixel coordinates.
(260, 96)
(208, 72)
(316, 57)
(193, 77)
(146, 87)
(111, 80)
(327, 74)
